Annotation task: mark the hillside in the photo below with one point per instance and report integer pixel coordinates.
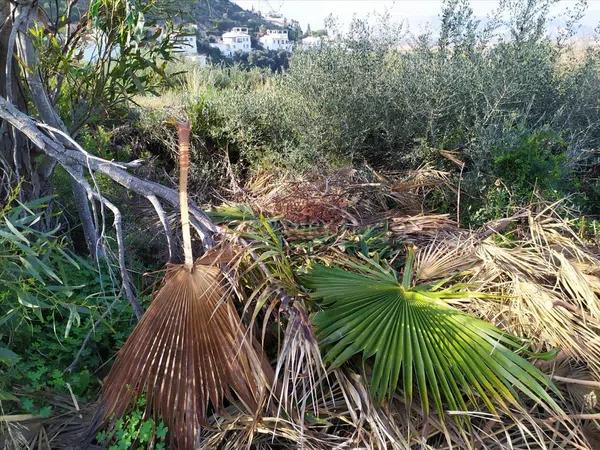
(213, 17)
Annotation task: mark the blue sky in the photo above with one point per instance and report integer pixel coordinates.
(416, 12)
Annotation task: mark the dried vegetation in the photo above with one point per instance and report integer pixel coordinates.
(530, 275)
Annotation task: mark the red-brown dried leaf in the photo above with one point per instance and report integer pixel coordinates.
(188, 351)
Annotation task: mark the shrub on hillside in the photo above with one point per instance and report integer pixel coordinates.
(487, 91)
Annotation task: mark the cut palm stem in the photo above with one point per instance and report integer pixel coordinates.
(589, 383)
(183, 130)
(190, 351)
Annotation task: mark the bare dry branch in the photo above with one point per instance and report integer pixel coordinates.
(160, 212)
(74, 159)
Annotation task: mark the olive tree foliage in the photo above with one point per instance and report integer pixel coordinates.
(103, 56)
(385, 95)
(490, 90)
(66, 63)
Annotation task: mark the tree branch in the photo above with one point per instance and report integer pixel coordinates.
(73, 158)
(49, 115)
(165, 223)
(77, 176)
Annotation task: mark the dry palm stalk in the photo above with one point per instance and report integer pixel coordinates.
(190, 349)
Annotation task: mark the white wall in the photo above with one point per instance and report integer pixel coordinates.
(276, 40)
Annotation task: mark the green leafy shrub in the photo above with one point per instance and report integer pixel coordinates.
(135, 431)
(49, 300)
(34, 267)
(119, 51)
(525, 98)
(537, 160)
(520, 109)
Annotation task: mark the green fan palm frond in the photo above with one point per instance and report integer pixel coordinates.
(415, 337)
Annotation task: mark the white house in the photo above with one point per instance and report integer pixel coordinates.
(276, 40)
(187, 45)
(236, 40)
(312, 42)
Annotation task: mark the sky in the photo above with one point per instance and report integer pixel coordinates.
(417, 13)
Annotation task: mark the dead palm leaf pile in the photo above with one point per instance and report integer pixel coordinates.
(347, 196)
(351, 317)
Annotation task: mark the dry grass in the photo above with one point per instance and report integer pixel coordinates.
(346, 196)
(542, 281)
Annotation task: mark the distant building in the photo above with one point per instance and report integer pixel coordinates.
(276, 40)
(312, 42)
(236, 40)
(185, 44)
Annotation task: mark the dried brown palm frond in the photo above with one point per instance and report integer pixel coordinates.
(267, 183)
(546, 294)
(591, 274)
(422, 179)
(424, 227)
(344, 196)
(240, 431)
(516, 261)
(445, 257)
(324, 199)
(575, 285)
(300, 370)
(190, 350)
(452, 156)
(523, 430)
(410, 189)
(535, 304)
(347, 418)
(542, 315)
(547, 228)
(372, 426)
